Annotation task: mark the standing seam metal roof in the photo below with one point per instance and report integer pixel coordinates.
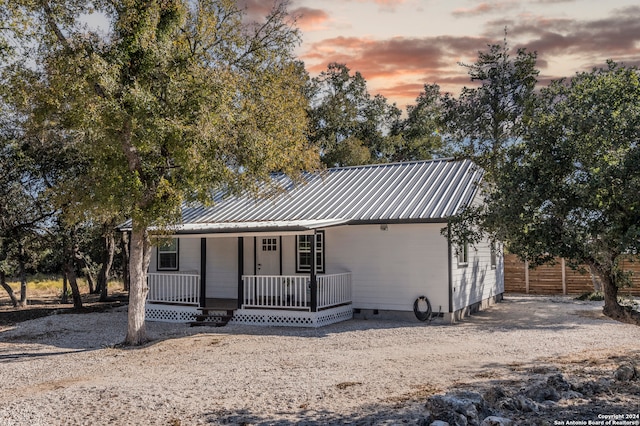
(412, 191)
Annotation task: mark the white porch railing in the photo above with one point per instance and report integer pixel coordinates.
(293, 291)
(276, 291)
(334, 289)
(179, 288)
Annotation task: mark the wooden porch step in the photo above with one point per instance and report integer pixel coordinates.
(212, 317)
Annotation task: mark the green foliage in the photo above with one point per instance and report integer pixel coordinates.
(419, 134)
(576, 176)
(594, 296)
(484, 120)
(348, 125)
(179, 101)
(561, 168)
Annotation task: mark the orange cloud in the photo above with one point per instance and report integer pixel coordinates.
(398, 55)
(398, 67)
(310, 19)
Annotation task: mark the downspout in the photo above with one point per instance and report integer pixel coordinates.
(450, 269)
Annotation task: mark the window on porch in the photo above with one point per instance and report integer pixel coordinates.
(168, 254)
(303, 253)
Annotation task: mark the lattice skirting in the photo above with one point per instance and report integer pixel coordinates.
(183, 314)
(170, 313)
(292, 318)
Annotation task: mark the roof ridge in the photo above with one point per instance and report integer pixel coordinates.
(395, 163)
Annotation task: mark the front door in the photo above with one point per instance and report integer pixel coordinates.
(268, 256)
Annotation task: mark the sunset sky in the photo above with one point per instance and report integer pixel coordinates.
(400, 45)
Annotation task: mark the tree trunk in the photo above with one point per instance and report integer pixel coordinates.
(23, 282)
(7, 287)
(69, 271)
(612, 308)
(108, 251)
(140, 255)
(84, 265)
(65, 296)
(69, 266)
(125, 260)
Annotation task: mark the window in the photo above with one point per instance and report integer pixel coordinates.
(269, 244)
(303, 252)
(463, 254)
(494, 259)
(168, 254)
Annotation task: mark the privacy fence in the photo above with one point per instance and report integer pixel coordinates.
(558, 278)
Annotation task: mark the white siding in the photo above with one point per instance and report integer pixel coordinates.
(288, 255)
(478, 280)
(222, 268)
(391, 268)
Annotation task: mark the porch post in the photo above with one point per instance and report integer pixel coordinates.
(203, 272)
(312, 275)
(240, 271)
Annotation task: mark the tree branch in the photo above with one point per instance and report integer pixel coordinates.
(54, 26)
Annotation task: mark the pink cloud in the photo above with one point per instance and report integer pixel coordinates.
(309, 19)
(397, 67)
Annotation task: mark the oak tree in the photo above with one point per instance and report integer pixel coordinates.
(178, 100)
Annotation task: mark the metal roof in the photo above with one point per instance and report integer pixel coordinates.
(419, 191)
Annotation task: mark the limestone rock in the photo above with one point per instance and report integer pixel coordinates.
(625, 373)
(497, 421)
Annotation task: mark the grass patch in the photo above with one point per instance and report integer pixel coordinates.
(40, 285)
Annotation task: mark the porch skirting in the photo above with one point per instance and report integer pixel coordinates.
(292, 318)
(267, 317)
(170, 313)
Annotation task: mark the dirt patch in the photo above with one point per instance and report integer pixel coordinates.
(45, 306)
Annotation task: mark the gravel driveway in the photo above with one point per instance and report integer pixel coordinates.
(66, 369)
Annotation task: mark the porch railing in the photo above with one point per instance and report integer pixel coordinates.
(334, 289)
(293, 291)
(179, 288)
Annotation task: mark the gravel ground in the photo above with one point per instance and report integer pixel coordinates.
(68, 369)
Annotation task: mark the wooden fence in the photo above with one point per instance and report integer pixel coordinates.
(558, 278)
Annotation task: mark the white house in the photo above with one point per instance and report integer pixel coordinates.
(352, 241)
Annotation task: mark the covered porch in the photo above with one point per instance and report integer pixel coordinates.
(263, 299)
(273, 285)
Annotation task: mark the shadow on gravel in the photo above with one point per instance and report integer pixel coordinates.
(22, 356)
(518, 312)
(513, 313)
